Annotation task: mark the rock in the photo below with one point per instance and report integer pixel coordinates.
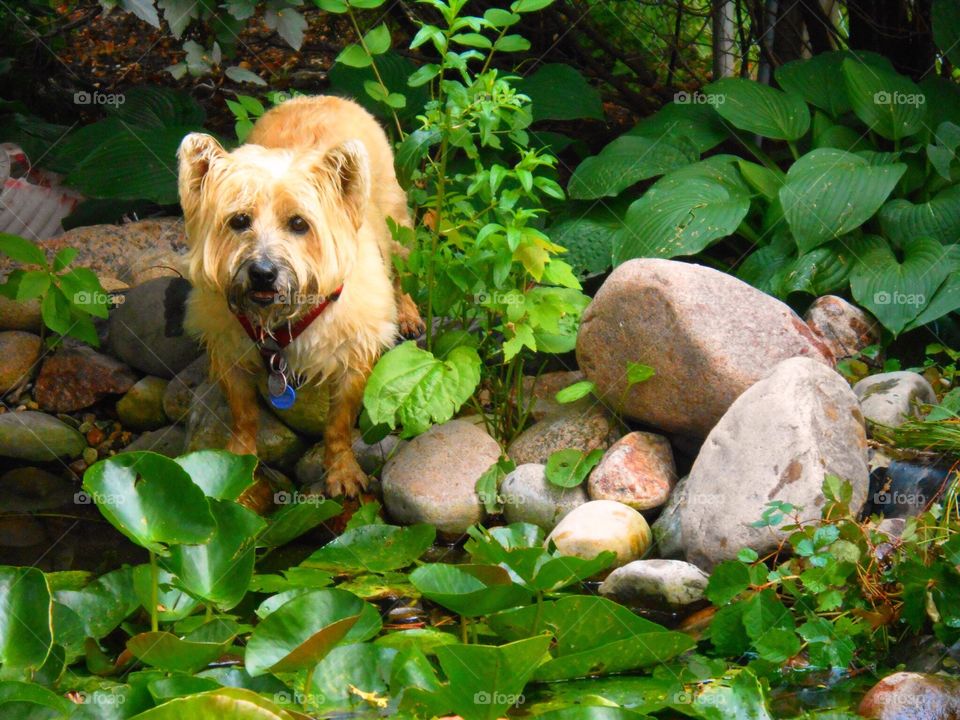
(20, 531)
(541, 391)
(20, 315)
(170, 441)
(890, 398)
(179, 395)
(638, 470)
(146, 329)
(30, 489)
(776, 442)
(127, 254)
(904, 489)
(657, 584)
(142, 407)
(529, 497)
(601, 525)
(912, 696)
(433, 478)
(843, 327)
(76, 376)
(567, 428)
(20, 352)
(38, 437)
(708, 336)
(209, 424)
(372, 457)
(892, 527)
(667, 535)
(308, 414)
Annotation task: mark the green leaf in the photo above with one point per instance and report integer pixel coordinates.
(896, 291)
(102, 604)
(26, 619)
(150, 499)
(945, 300)
(939, 218)
(33, 284)
(830, 192)
(500, 18)
(63, 258)
(228, 702)
(890, 104)
(189, 654)
(728, 579)
(24, 700)
(242, 75)
(469, 590)
(410, 386)
(302, 631)
(760, 109)
(575, 392)
(525, 6)
(373, 548)
(55, 311)
(512, 43)
(568, 468)
(332, 6)
(684, 212)
(625, 162)
(699, 122)
(355, 56)
(475, 40)
(22, 250)
(220, 474)
(172, 603)
(364, 666)
(638, 373)
(741, 698)
(559, 92)
(219, 571)
(412, 151)
(819, 80)
(289, 24)
(294, 519)
(377, 41)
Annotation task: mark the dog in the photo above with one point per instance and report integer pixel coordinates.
(290, 258)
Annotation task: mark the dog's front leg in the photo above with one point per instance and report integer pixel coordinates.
(344, 475)
(239, 386)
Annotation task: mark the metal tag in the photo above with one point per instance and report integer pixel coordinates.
(276, 383)
(285, 400)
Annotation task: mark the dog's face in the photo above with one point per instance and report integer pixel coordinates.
(273, 230)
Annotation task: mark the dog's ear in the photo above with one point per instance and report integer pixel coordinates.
(197, 152)
(348, 164)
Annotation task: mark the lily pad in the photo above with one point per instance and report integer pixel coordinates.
(373, 548)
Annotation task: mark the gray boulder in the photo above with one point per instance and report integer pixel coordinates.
(660, 584)
(529, 497)
(38, 437)
(892, 397)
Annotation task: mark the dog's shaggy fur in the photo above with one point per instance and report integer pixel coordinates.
(308, 196)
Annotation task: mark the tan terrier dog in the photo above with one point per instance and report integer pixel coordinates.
(290, 261)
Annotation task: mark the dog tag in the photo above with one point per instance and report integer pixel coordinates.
(285, 400)
(276, 384)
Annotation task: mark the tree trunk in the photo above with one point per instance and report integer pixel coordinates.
(723, 38)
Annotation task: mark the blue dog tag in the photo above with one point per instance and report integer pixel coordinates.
(285, 400)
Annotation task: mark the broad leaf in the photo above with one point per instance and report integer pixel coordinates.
(945, 18)
(830, 192)
(897, 291)
(819, 80)
(189, 654)
(760, 109)
(625, 162)
(26, 619)
(698, 122)
(469, 590)
(939, 218)
(220, 474)
(373, 548)
(890, 104)
(228, 702)
(411, 387)
(560, 92)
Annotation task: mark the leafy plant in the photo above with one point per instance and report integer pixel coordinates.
(69, 297)
(854, 189)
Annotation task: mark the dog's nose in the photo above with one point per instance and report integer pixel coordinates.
(262, 274)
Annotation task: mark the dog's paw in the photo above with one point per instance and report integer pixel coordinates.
(408, 318)
(345, 477)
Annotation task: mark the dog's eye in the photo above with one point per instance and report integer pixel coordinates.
(297, 225)
(240, 221)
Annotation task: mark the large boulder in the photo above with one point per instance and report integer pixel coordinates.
(776, 442)
(38, 437)
(146, 329)
(76, 376)
(660, 584)
(433, 478)
(708, 336)
(912, 696)
(602, 525)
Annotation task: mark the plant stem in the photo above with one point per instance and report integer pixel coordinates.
(539, 615)
(154, 592)
(376, 72)
(435, 235)
(307, 685)
(464, 623)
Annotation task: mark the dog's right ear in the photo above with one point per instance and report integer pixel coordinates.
(197, 152)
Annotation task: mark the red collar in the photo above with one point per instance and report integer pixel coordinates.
(285, 335)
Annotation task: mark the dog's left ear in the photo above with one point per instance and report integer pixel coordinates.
(348, 164)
